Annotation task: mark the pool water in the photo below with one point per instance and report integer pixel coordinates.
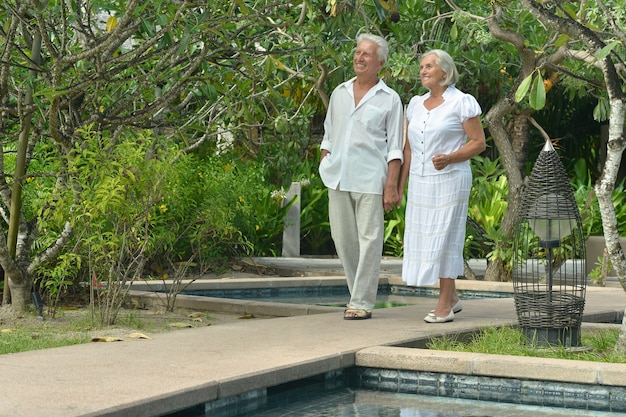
(346, 402)
(388, 296)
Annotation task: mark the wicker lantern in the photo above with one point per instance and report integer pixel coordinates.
(549, 275)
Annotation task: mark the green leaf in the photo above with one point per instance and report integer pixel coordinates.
(571, 11)
(606, 50)
(561, 40)
(523, 88)
(538, 94)
(454, 32)
(601, 111)
(380, 10)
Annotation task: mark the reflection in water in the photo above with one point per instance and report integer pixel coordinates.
(345, 402)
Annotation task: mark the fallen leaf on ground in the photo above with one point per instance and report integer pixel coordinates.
(139, 336)
(247, 316)
(107, 339)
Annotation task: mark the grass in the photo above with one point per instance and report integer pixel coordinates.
(599, 344)
(76, 326)
(22, 340)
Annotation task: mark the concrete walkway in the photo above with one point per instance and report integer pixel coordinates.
(179, 369)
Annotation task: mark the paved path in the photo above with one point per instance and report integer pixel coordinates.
(178, 369)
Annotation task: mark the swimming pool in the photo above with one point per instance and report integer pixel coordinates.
(335, 399)
(363, 403)
(334, 295)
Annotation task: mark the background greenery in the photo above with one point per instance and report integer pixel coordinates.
(599, 345)
(167, 133)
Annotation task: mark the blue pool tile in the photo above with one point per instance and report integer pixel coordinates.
(510, 391)
(369, 378)
(489, 388)
(237, 405)
(388, 380)
(531, 392)
(575, 396)
(468, 387)
(408, 382)
(428, 383)
(553, 394)
(448, 386)
(597, 398)
(617, 399)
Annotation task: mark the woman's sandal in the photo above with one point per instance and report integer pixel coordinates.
(356, 314)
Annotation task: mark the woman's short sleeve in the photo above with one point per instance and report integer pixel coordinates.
(468, 107)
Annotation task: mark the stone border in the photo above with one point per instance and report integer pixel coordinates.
(502, 378)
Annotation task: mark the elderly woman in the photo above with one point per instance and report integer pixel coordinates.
(444, 133)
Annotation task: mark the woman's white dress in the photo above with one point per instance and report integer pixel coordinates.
(436, 211)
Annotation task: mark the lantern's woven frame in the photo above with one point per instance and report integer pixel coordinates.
(548, 178)
(543, 301)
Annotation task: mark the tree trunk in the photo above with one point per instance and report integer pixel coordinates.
(15, 217)
(519, 140)
(514, 153)
(606, 185)
(468, 272)
(497, 269)
(604, 191)
(20, 294)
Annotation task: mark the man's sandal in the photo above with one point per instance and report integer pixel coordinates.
(356, 314)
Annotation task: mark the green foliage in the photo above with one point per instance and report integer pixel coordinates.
(24, 339)
(268, 214)
(314, 225)
(144, 209)
(488, 198)
(120, 184)
(588, 202)
(599, 272)
(198, 216)
(537, 96)
(511, 341)
(394, 230)
(288, 140)
(55, 279)
(488, 203)
(222, 207)
(247, 78)
(194, 75)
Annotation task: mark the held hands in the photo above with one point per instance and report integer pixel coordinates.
(391, 198)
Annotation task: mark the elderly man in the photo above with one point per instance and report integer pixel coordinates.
(361, 155)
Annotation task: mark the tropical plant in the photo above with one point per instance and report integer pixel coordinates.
(193, 73)
(122, 197)
(54, 280)
(394, 230)
(602, 66)
(314, 224)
